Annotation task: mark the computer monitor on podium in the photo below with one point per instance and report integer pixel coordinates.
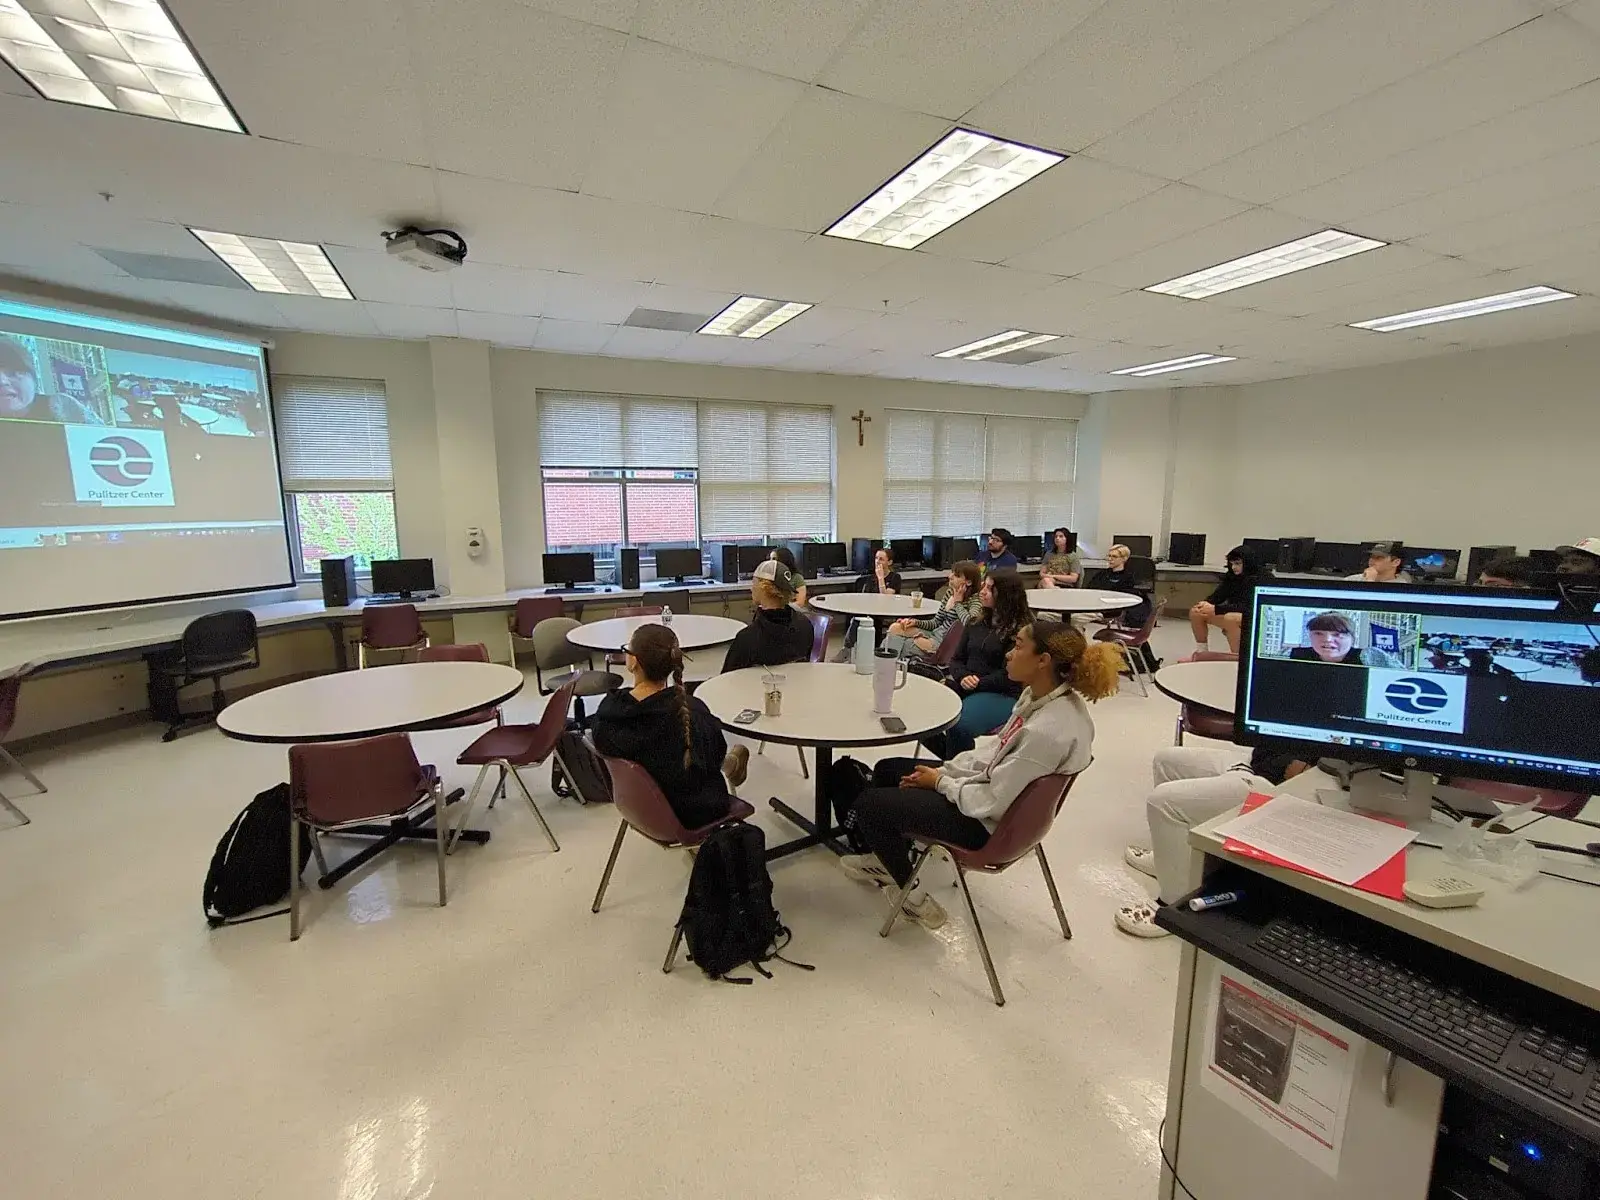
(1467, 682)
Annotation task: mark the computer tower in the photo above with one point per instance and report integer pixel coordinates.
(1296, 554)
(628, 568)
(1187, 549)
(1140, 545)
(861, 552)
(728, 567)
(338, 582)
(1479, 557)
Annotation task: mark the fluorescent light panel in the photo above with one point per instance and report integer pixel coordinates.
(753, 317)
(1176, 364)
(958, 176)
(998, 344)
(271, 265)
(124, 55)
(1328, 246)
(1465, 308)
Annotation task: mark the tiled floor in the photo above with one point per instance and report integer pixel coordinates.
(514, 1045)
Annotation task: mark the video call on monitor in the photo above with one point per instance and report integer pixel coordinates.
(1489, 679)
(138, 461)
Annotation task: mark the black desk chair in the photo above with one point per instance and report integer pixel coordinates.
(214, 645)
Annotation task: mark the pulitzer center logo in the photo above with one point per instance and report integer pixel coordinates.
(1416, 696)
(121, 462)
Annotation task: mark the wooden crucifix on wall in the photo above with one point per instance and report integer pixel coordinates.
(861, 419)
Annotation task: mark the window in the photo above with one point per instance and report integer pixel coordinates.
(333, 449)
(661, 473)
(954, 474)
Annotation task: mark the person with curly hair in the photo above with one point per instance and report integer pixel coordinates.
(668, 732)
(978, 672)
(961, 801)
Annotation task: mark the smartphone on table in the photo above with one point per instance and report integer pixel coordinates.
(748, 716)
(892, 724)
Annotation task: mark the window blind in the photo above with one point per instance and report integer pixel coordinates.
(765, 470)
(955, 474)
(579, 429)
(333, 434)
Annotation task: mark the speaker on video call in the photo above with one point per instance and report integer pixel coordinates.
(627, 568)
(338, 582)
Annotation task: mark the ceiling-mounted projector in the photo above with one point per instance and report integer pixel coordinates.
(427, 248)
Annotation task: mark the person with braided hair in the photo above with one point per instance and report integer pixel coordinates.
(668, 732)
(1049, 732)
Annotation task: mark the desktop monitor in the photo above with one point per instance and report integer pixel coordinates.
(679, 564)
(907, 552)
(1479, 557)
(402, 576)
(751, 557)
(1028, 547)
(1546, 562)
(1296, 553)
(1339, 558)
(1266, 550)
(1423, 562)
(1187, 549)
(568, 569)
(861, 552)
(817, 557)
(1140, 545)
(1477, 682)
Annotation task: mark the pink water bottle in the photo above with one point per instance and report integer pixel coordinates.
(888, 677)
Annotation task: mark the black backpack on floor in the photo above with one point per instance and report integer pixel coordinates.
(578, 772)
(250, 867)
(728, 919)
(847, 779)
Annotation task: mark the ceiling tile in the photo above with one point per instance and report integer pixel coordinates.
(499, 328)
(13, 84)
(313, 314)
(412, 321)
(916, 276)
(621, 15)
(373, 275)
(786, 37)
(677, 128)
(830, 152)
(821, 324)
(490, 289)
(572, 337)
(1536, 219)
(1547, 242)
(532, 115)
(628, 342)
(921, 54)
(1148, 221)
(1347, 51)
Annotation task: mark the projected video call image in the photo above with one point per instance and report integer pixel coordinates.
(1347, 637)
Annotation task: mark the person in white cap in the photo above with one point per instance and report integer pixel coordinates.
(777, 633)
(1580, 558)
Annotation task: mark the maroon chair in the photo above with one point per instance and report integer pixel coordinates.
(336, 785)
(390, 627)
(529, 612)
(511, 746)
(644, 809)
(1021, 829)
(946, 654)
(1198, 720)
(10, 688)
(821, 623)
(461, 652)
(1133, 639)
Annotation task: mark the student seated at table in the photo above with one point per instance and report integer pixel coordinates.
(884, 580)
(1507, 571)
(1224, 607)
(668, 732)
(1581, 558)
(1192, 785)
(996, 554)
(786, 556)
(1048, 732)
(978, 672)
(778, 632)
(1114, 577)
(1062, 567)
(1384, 561)
(958, 604)
(1331, 638)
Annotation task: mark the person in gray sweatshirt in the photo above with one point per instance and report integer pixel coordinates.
(961, 801)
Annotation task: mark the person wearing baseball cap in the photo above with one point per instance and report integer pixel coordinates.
(777, 633)
(1580, 558)
(1384, 561)
(19, 392)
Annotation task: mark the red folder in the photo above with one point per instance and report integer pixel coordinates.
(1388, 880)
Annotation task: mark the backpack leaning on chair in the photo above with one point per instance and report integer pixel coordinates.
(577, 772)
(728, 918)
(250, 867)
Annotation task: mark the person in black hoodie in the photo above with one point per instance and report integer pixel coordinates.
(668, 732)
(777, 633)
(978, 671)
(1115, 577)
(1225, 606)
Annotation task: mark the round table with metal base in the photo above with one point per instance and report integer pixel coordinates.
(1212, 685)
(695, 632)
(1079, 600)
(348, 705)
(873, 604)
(825, 705)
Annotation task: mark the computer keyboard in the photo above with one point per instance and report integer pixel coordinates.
(1557, 1064)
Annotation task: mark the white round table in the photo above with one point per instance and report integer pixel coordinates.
(694, 632)
(357, 704)
(872, 604)
(1212, 685)
(825, 705)
(1079, 600)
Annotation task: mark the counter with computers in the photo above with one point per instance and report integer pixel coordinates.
(1339, 1042)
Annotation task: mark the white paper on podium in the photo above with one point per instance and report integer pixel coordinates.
(1339, 845)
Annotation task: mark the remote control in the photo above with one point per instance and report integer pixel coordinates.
(1443, 891)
